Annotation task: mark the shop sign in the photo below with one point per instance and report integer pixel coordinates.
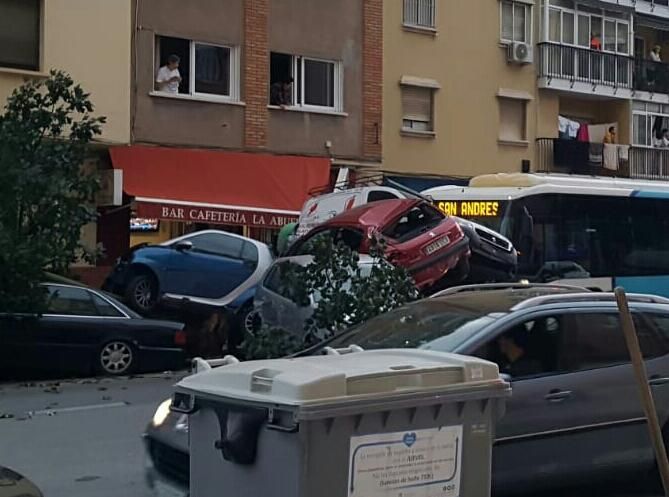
(213, 215)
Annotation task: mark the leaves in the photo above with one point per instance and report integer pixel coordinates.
(46, 195)
(345, 295)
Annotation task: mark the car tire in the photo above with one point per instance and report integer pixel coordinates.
(142, 293)
(116, 358)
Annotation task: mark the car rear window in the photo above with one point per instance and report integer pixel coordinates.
(415, 222)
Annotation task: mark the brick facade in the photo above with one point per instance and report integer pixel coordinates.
(372, 78)
(256, 64)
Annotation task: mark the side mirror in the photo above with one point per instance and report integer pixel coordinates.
(184, 246)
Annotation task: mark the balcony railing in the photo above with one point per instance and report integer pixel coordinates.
(584, 65)
(570, 156)
(651, 76)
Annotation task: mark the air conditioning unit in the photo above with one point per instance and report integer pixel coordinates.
(519, 53)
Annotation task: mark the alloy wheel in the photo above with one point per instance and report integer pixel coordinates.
(116, 357)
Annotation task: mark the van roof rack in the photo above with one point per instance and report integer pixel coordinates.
(587, 297)
(504, 286)
(365, 180)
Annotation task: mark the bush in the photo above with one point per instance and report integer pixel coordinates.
(345, 296)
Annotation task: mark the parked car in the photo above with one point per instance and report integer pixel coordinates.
(574, 416)
(275, 303)
(85, 330)
(419, 237)
(211, 268)
(13, 484)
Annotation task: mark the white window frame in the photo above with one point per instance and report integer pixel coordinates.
(528, 21)
(576, 12)
(418, 25)
(234, 70)
(649, 115)
(298, 64)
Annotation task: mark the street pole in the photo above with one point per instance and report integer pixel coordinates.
(632, 340)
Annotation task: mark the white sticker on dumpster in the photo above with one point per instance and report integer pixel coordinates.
(414, 463)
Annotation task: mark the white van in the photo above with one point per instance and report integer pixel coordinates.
(319, 209)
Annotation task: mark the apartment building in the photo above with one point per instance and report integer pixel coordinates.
(271, 99)
(90, 40)
(480, 87)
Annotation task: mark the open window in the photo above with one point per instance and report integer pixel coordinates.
(418, 220)
(305, 82)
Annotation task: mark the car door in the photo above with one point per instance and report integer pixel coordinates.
(211, 268)
(277, 304)
(69, 332)
(539, 406)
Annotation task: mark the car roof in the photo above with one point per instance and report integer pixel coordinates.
(257, 243)
(376, 213)
(498, 300)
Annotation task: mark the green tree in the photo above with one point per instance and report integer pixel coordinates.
(345, 296)
(46, 195)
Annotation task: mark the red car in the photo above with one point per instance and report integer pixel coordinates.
(431, 246)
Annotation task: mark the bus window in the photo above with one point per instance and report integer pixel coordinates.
(648, 251)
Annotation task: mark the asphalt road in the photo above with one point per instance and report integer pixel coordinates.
(80, 438)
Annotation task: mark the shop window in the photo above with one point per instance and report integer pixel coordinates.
(420, 13)
(20, 34)
(305, 82)
(206, 70)
(417, 109)
(512, 120)
(515, 22)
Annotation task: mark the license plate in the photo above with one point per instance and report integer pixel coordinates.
(165, 490)
(439, 244)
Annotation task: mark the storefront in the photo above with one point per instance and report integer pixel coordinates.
(175, 191)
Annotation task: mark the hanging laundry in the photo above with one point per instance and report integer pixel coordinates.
(611, 156)
(583, 135)
(567, 129)
(572, 154)
(596, 151)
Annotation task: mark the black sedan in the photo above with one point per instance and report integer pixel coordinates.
(85, 330)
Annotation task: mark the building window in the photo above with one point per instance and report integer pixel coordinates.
(417, 109)
(512, 120)
(515, 22)
(420, 13)
(648, 122)
(206, 70)
(305, 82)
(20, 34)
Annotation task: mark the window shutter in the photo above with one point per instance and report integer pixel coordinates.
(417, 103)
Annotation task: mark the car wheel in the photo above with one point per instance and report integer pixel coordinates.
(249, 319)
(116, 358)
(142, 293)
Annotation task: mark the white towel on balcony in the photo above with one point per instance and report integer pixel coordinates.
(611, 156)
(624, 152)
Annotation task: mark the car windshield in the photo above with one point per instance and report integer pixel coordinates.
(427, 324)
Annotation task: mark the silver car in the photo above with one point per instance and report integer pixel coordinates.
(574, 416)
(274, 302)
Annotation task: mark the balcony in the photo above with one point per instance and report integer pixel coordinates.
(564, 67)
(571, 157)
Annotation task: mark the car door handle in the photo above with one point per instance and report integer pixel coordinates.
(557, 395)
(656, 380)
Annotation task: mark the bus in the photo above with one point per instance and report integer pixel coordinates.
(588, 231)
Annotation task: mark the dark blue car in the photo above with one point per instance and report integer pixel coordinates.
(211, 268)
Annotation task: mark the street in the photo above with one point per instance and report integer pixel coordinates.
(79, 438)
(82, 437)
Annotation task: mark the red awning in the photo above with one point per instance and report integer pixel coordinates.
(218, 187)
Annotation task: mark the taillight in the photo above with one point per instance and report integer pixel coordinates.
(180, 338)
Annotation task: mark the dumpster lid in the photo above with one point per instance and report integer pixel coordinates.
(324, 379)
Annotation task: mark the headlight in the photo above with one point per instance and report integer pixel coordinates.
(161, 413)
